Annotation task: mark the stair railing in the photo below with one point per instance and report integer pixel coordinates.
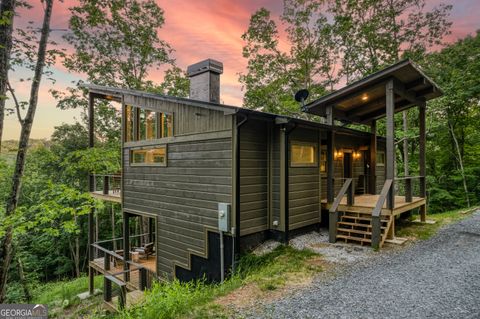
(377, 211)
(348, 189)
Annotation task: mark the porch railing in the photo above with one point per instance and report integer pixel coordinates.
(377, 211)
(107, 184)
(347, 189)
(109, 255)
(409, 185)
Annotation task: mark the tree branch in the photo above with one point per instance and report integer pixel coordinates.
(17, 105)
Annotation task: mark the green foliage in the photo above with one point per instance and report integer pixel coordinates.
(193, 299)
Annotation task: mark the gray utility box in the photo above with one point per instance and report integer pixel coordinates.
(224, 217)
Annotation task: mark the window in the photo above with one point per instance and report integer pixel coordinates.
(129, 123)
(142, 124)
(380, 158)
(149, 156)
(303, 154)
(323, 161)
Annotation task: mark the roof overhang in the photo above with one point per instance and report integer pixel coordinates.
(365, 100)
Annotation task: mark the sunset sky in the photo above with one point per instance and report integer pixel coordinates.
(197, 30)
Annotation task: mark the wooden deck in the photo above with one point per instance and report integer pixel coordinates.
(366, 203)
(150, 264)
(112, 196)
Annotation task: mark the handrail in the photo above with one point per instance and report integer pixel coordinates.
(348, 185)
(401, 178)
(383, 196)
(333, 216)
(121, 238)
(376, 224)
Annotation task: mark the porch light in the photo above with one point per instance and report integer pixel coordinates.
(356, 155)
(338, 154)
(364, 97)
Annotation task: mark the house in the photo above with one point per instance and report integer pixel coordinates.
(214, 180)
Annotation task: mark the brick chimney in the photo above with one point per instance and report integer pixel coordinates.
(205, 80)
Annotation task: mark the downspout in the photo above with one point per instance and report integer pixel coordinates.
(236, 243)
(286, 168)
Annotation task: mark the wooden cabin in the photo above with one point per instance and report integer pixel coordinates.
(214, 180)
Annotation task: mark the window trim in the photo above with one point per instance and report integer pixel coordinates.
(149, 148)
(304, 143)
(376, 158)
(136, 124)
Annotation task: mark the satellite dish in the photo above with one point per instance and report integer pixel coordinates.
(301, 96)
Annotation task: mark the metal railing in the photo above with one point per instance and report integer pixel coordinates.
(108, 184)
(407, 186)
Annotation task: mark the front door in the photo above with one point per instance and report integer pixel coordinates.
(347, 165)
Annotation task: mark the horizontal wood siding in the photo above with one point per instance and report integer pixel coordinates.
(253, 177)
(187, 119)
(304, 188)
(184, 195)
(276, 176)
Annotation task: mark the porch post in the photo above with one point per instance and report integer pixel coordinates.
(422, 160)
(91, 188)
(390, 156)
(126, 244)
(330, 159)
(372, 180)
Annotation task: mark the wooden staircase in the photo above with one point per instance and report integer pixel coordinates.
(356, 227)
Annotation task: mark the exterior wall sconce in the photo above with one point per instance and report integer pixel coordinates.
(356, 155)
(338, 154)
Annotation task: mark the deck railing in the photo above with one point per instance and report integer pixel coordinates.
(109, 254)
(107, 184)
(408, 186)
(377, 211)
(347, 189)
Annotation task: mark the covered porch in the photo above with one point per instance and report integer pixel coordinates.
(370, 217)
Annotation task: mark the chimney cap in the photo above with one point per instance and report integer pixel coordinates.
(208, 65)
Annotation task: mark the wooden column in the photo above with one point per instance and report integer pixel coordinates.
(422, 160)
(372, 179)
(283, 180)
(91, 188)
(126, 244)
(390, 156)
(330, 159)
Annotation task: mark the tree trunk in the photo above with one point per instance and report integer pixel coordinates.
(406, 170)
(460, 161)
(6, 7)
(23, 281)
(12, 200)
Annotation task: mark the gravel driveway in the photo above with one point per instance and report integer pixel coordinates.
(437, 278)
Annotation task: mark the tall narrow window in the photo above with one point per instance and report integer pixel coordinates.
(142, 120)
(323, 161)
(129, 123)
(167, 121)
(151, 125)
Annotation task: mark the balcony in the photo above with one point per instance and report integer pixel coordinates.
(107, 187)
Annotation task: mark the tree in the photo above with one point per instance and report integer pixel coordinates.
(457, 69)
(26, 126)
(117, 44)
(273, 75)
(7, 12)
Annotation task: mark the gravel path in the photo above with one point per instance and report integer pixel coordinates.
(437, 278)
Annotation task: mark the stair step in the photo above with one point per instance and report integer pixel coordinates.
(363, 240)
(369, 219)
(354, 231)
(357, 224)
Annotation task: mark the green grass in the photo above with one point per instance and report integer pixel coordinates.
(405, 228)
(195, 299)
(59, 291)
